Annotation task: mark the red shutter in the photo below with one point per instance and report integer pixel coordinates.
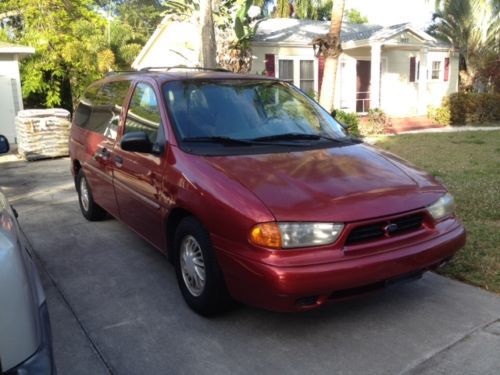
(412, 69)
(321, 69)
(446, 68)
(270, 70)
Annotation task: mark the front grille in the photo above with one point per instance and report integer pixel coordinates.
(379, 230)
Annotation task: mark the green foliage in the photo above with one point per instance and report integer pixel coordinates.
(69, 41)
(377, 122)
(350, 120)
(440, 115)
(473, 108)
(283, 9)
(76, 42)
(354, 16)
(242, 29)
(471, 27)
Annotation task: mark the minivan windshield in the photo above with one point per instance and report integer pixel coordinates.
(247, 112)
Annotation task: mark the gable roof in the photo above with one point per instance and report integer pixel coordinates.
(302, 32)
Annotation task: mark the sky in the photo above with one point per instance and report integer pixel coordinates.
(391, 12)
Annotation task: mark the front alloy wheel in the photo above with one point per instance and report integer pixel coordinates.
(192, 265)
(198, 273)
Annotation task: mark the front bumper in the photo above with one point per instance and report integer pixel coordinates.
(42, 361)
(296, 288)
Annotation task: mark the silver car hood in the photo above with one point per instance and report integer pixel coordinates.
(20, 293)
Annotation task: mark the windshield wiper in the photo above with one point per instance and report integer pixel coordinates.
(234, 141)
(288, 137)
(304, 136)
(218, 139)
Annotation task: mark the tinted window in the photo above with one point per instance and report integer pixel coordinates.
(84, 109)
(100, 109)
(144, 113)
(245, 110)
(107, 108)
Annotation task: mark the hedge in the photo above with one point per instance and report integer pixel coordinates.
(471, 108)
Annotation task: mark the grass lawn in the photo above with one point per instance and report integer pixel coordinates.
(468, 163)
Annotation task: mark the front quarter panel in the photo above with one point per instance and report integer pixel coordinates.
(226, 208)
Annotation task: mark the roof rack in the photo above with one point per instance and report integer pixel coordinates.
(116, 72)
(167, 68)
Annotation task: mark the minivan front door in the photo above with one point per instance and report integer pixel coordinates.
(138, 176)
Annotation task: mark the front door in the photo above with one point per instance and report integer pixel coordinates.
(138, 176)
(363, 69)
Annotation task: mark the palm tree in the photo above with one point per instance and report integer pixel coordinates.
(329, 46)
(472, 27)
(208, 44)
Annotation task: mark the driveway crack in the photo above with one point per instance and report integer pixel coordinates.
(93, 345)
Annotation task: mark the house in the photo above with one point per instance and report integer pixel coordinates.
(11, 100)
(173, 43)
(399, 69)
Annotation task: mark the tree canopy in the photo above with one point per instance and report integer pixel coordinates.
(473, 28)
(76, 42)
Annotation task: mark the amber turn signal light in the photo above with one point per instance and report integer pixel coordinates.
(266, 235)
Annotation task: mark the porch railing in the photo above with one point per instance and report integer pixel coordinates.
(362, 101)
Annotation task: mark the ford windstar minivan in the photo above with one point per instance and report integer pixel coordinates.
(254, 192)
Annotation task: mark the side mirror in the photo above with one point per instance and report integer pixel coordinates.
(136, 142)
(334, 113)
(4, 145)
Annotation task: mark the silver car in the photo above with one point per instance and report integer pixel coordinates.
(25, 336)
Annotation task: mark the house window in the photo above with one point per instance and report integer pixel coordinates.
(286, 70)
(307, 76)
(436, 69)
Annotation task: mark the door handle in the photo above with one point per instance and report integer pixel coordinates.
(102, 154)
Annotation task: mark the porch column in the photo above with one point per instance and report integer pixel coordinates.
(376, 49)
(422, 82)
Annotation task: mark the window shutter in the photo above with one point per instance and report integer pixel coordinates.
(269, 61)
(412, 69)
(321, 69)
(446, 68)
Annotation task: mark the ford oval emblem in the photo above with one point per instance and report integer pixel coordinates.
(391, 228)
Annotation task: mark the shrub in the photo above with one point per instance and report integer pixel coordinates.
(376, 122)
(350, 120)
(467, 108)
(440, 115)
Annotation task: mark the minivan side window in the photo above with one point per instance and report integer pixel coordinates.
(144, 113)
(100, 108)
(84, 109)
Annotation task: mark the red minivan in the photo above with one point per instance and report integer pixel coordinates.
(254, 192)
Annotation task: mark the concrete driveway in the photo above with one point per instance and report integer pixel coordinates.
(115, 308)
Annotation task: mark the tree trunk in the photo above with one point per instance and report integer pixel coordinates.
(329, 46)
(208, 44)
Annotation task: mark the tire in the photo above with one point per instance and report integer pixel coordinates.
(194, 257)
(90, 210)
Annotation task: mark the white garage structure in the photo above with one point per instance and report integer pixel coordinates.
(11, 100)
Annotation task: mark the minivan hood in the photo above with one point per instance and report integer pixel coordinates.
(342, 184)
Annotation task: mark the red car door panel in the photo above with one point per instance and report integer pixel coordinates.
(138, 176)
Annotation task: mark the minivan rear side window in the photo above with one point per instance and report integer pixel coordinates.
(99, 110)
(144, 113)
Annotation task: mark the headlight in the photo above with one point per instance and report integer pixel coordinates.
(442, 208)
(291, 235)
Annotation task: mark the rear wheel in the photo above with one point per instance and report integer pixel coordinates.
(90, 210)
(200, 279)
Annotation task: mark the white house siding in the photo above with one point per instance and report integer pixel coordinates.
(398, 96)
(11, 100)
